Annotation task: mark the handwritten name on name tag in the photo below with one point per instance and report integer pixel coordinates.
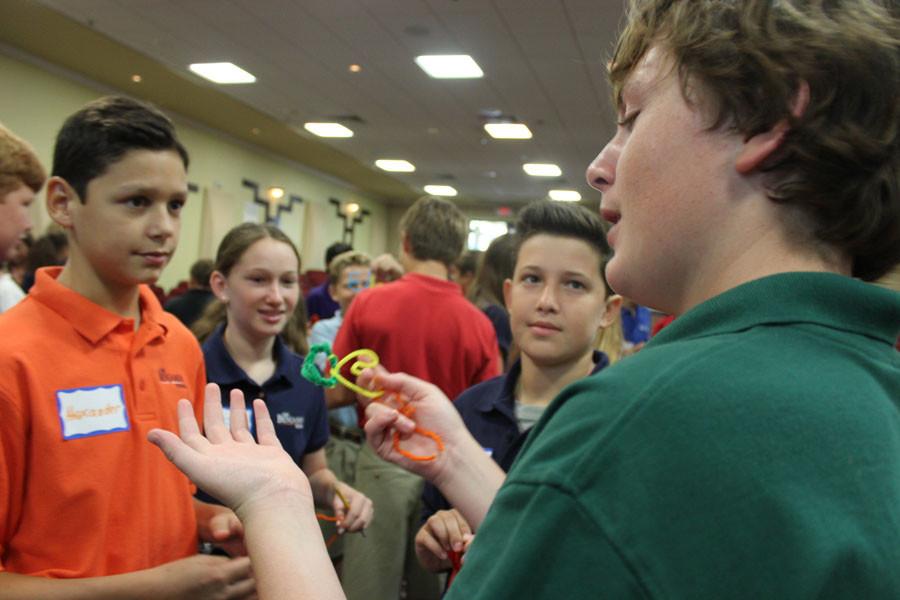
(91, 411)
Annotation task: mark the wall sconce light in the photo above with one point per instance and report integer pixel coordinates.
(276, 200)
(352, 214)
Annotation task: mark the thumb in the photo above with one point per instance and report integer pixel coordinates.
(179, 453)
(223, 525)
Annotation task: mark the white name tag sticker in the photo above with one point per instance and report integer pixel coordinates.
(91, 411)
(226, 416)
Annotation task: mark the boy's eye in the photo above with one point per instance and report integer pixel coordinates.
(627, 122)
(176, 205)
(530, 279)
(138, 201)
(575, 284)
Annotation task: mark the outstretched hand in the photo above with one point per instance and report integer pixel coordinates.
(229, 464)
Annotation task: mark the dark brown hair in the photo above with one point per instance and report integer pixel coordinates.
(563, 220)
(838, 163)
(495, 266)
(102, 132)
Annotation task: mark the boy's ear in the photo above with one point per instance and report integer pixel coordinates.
(404, 244)
(60, 197)
(613, 310)
(218, 286)
(762, 145)
(507, 292)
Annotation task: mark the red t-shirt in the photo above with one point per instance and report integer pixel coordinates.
(423, 326)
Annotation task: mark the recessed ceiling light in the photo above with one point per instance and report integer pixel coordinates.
(565, 195)
(449, 66)
(354, 68)
(395, 166)
(508, 131)
(225, 72)
(332, 130)
(542, 169)
(440, 190)
(136, 78)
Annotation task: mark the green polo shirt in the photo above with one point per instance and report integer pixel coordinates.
(750, 450)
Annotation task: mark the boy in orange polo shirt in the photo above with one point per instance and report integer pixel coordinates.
(89, 363)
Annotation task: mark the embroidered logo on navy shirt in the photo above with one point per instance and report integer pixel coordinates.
(285, 418)
(172, 379)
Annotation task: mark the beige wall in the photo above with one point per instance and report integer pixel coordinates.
(35, 99)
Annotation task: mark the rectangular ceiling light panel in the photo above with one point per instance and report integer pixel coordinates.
(224, 73)
(395, 165)
(542, 169)
(329, 130)
(449, 66)
(508, 131)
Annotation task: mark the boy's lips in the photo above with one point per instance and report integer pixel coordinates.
(613, 217)
(154, 258)
(610, 215)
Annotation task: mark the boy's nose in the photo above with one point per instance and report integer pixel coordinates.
(601, 173)
(547, 300)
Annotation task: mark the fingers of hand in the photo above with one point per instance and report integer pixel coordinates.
(187, 425)
(425, 541)
(237, 569)
(225, 525)
(213, 418)
(360, 513)
(265, 430)
(240, 429)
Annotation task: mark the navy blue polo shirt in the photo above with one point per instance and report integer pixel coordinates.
(297, 406)
(489, 411)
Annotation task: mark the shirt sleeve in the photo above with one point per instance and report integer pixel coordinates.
(537, 541)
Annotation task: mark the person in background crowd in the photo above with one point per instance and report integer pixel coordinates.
(256, 284)
(486, 292)
(189, 306)
(463, 270)
(21, 177)
(319, 303)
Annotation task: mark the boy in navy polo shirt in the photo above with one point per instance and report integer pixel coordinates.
(558, 303)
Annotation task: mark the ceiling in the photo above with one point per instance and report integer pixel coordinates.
(543, 62)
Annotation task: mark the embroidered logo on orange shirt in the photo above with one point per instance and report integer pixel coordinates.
(172, 379)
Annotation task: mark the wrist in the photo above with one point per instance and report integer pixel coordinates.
(287, 499)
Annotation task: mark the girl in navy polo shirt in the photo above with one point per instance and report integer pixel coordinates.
(256, 282)
(558, 305)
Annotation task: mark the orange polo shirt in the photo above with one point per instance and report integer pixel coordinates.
(82, 491)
